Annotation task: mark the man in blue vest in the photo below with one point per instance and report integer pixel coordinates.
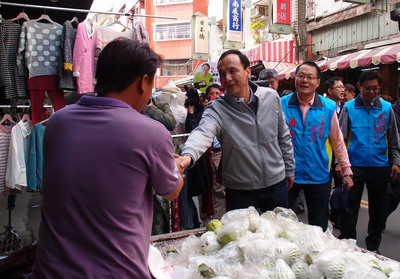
(314, 128)
(369, 128)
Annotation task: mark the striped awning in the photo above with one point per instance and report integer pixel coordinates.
(276, 51)
(362, 58)
(278, 66)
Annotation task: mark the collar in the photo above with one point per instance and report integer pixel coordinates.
(95, 101)
(309, 103)
(90, 29)
(253, 94)
(253, 98)
(26, 128)
(315, 101)
(359, 102)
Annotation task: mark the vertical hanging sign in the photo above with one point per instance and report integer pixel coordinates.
(282, 11)
(200, 36)
(233, 24)
(201, 45)
(235, 21)
(281, 17)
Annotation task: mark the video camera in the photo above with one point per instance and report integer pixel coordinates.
(193, 97)
(262, 83)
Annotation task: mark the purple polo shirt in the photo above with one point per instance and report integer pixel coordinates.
(101, 160)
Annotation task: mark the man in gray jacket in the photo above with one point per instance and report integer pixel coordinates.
(257, 154)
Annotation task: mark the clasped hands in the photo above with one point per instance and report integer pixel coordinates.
(182, 162)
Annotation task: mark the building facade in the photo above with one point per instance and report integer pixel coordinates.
(346, 38)
(172, 38)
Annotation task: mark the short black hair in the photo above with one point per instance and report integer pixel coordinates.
(369, 75)
(206, 64)
(331, 82)
(214, 85)
(123, 61)
(349, 87)
(312, 64)
(243, 58)
(268, 73)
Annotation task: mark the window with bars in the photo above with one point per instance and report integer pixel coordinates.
(168, 2)
(176, 67)
(175, 31)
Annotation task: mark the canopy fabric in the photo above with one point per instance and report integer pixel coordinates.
(276, 51)
(362, 58)
(278, 66)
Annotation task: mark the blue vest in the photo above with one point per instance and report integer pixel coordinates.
(367, 141)
(312, 149)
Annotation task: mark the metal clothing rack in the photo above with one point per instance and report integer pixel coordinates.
(130, 14)
(22, 106)
(180, 135)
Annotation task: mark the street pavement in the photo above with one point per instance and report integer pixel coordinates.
(26, 218)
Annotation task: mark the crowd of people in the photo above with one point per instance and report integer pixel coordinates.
(110, 169)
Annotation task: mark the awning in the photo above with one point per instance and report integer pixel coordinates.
(276, 51)
(362, 58)
(278, 66)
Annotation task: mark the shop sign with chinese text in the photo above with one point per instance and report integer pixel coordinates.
(200, 35)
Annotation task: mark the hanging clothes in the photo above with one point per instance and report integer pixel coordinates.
(65, 77)
(38, 86)
(14, 84)
(84, 63)
(39, 54)
(141, 33)
(5, 134)
(39, 48)
(18, 154)
(35, 164)
(107, 34)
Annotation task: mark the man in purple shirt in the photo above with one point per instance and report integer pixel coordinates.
(102, 161)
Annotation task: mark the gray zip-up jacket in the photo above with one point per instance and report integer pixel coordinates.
(257, 149)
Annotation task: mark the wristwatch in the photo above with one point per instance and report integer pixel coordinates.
(348, 175)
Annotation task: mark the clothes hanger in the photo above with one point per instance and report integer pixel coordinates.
(44, 16)
(44, 121)
(75, 19)
(118, 22)
(7, 117)
(22, 15)
(25, 118)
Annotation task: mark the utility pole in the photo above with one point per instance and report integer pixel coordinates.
(302, 36)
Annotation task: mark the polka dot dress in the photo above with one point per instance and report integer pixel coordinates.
(39, 48)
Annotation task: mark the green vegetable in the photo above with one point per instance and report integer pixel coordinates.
(214, 225)
(299, 268)
(206, 271)
(228, 237)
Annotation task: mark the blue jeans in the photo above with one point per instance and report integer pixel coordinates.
(263, 199)
(317, 199)
(188, 217)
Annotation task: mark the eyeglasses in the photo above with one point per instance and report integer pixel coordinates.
(310, 78)
(338, 87)
(369, 88)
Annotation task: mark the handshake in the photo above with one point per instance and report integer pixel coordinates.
(182, 162)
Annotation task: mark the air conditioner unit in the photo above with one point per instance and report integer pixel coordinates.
(259, 11)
